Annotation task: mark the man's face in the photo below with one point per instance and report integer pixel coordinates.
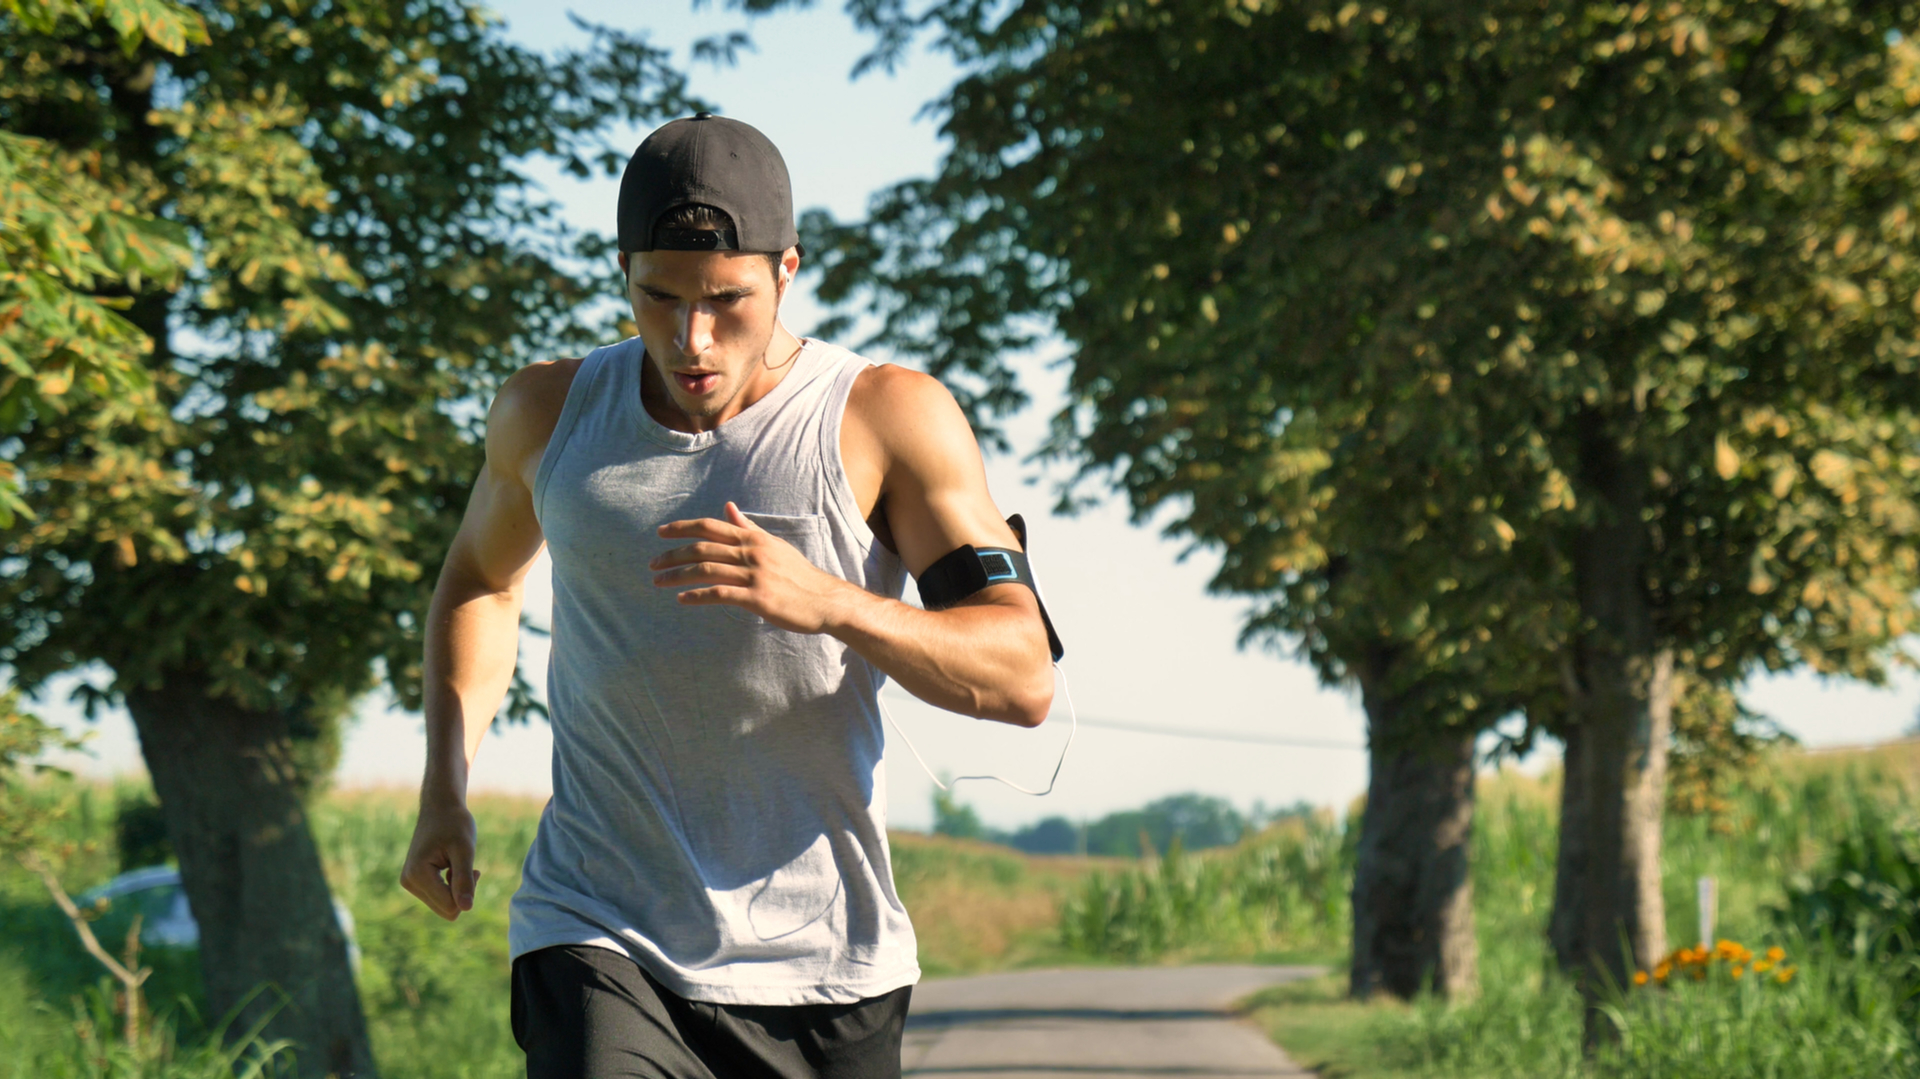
(707, 318)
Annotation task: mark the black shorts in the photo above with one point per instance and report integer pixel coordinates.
(584, 1011)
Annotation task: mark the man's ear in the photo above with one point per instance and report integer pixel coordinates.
(789, 266)
(626, 273)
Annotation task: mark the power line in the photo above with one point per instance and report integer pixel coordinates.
(1219, 736)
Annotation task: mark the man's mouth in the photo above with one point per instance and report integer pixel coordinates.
(697, 382)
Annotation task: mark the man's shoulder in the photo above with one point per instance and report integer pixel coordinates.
(539, 386)
(888, 391)
(526, 410)
(910, 415)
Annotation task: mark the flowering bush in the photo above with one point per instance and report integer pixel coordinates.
(1698, 962)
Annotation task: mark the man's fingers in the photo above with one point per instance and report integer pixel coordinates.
(717, 594)
(703, 573)
(701, 529)
(460, 877)
(740, 519)
(704, 551)
(423, 880)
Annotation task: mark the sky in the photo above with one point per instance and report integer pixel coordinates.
(1145, 642)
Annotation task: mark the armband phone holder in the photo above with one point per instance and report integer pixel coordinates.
(954, 577)
(967, 569)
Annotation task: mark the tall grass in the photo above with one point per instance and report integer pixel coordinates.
(1282, 892)
(982, 907)
(1841, 1015)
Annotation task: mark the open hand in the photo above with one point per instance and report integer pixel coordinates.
(737, 562)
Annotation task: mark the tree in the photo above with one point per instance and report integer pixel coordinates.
(951, 817)
(68, 237)
(1049, 836)
(249, 556)
(1610, 298)
(1424, 613)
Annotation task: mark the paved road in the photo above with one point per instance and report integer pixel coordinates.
(1095, 1022)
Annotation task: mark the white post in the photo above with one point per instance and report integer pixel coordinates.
(1708, 896)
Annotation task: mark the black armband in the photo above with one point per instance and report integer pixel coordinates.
(967, 569)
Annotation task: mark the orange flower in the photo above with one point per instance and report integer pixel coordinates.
(1738, 971)
(1776, 954)
(1639, 978)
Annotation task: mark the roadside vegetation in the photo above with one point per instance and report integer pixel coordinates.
(435, 993)
(1816, 859)
(1812, 855)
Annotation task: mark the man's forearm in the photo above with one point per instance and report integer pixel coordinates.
(473, 642)
(986, 659)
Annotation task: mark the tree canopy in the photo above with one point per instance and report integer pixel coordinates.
(1560, 345)
(69, 237)
(367, 260)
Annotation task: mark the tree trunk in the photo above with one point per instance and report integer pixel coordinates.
(1623, 702)
(1412, 895)
(1566, 929)
(227, 784)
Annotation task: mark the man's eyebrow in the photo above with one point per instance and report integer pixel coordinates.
(732, 292)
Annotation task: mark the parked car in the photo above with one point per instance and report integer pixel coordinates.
(155, 893)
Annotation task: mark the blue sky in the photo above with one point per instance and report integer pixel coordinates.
(1144, 641)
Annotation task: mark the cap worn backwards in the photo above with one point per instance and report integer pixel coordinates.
(715, 161)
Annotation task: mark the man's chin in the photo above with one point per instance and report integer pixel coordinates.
(705, 406)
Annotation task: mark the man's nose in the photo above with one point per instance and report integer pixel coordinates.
(696, 329)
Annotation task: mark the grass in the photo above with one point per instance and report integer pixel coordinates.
(1281, 893)
(1838, 1016)
(435, 993)
(1321, 1028)
(982, 907)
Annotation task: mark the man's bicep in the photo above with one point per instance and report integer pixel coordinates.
(937, 497)
(499, 536)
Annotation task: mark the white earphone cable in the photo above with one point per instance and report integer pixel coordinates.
(1057, 766)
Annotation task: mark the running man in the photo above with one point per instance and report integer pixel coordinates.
(732, 512)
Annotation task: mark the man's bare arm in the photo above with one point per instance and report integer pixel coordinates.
(473, 633)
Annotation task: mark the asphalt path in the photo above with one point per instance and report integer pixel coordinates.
(1172, 1021)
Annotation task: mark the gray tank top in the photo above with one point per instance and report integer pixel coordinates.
(718, 808)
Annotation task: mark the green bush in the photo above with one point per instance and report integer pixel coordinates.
(140, 830)
(1865, 895)
(1846, 1011)
(1839, 1016)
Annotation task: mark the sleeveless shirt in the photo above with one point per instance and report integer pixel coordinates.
(718, 810)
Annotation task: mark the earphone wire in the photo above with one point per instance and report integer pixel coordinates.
(1072, 714)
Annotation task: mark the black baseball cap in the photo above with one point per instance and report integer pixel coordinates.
(715, 161)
